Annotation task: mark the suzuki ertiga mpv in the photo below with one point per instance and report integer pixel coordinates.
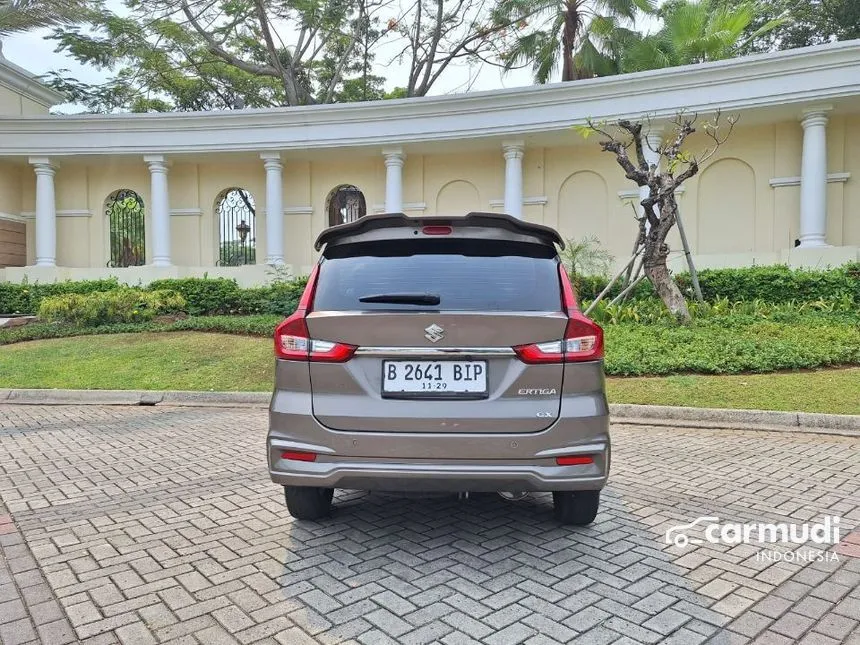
(439, 354)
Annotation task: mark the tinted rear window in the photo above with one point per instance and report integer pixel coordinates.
(467, 275)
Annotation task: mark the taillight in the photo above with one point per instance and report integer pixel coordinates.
(583, 339)
(293, 341)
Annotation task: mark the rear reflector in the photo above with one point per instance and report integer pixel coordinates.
(295, 455)
(437, 230)
(574, 460)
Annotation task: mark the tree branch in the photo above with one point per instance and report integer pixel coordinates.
(635, 131)
(632, 172)
(215, 48)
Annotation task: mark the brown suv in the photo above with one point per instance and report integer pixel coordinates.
(439, 354)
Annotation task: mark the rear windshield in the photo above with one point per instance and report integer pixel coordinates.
(466, 275)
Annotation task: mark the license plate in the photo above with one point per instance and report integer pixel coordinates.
(434, 377)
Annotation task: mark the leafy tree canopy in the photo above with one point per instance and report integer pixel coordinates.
(806, 22)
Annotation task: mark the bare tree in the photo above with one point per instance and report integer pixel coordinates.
(660, 208)
(438, 33)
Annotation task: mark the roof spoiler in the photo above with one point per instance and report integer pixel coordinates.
(395, 220)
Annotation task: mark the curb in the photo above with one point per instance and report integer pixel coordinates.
(135, 397)
(622, 413)
(806, 422)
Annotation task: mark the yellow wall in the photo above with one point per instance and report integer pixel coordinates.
(13, 104)
(10, 189)
(851, 188)
(731, 212)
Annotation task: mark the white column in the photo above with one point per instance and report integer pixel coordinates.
(394, 158)
(651, 142)
(46, 212)
(274, 207)
(813, 178)
(159, 209)
(513, 151)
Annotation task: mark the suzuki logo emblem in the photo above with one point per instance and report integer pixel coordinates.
(434, 333)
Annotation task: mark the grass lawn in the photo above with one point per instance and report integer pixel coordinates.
(221, 362)
(147, 361)
(835, 391)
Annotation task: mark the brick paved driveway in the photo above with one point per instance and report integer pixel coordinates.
(157, 524)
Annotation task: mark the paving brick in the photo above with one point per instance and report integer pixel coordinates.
(836, 626)
(136, 634)
(511, 635)
(792, 624)
(57, 632)
(666, 622)
(16, 632)
(388, 622)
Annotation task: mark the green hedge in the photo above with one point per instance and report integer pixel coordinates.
(776, 283)
(240, 325)
(123, 305)
(203, 296)
(221, 296)
(733, 345)
(25, 298)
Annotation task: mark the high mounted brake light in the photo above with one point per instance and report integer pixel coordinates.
(583, 339)
(293, 341)
(437, 230)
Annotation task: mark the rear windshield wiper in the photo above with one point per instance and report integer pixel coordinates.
(403, 298)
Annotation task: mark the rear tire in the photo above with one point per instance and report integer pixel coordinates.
(307, 503)
(577, 508)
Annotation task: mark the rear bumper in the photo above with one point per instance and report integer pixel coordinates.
(421, 475)
(441, 461)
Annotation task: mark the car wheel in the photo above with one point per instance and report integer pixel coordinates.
(308, 503)
(578, 508)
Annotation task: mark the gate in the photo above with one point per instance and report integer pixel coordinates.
(124, 209)
(236, 212)
(345, 204)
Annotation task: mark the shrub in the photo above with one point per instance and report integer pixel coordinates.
(652, 311)
(280, 298)
(123, 305)
(777, 284)
(243, 325)
(25, 298)
(203, 295)
(743, 345)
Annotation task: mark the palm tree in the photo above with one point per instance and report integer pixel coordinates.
(581, 35)
(23, 15)
(694, 32)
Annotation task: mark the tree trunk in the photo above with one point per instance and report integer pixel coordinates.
(668, 291)
(654, 261)
(568, 41)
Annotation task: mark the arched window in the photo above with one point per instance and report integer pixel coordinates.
(345, 204)
(237, 240)
(124, 210)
